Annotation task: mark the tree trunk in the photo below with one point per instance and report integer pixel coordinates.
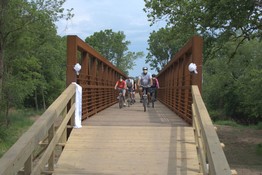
(3, 5)
(1, 78)
(36, 101)
(7, 120)
(43, 96)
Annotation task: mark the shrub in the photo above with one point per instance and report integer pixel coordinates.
(259, 149)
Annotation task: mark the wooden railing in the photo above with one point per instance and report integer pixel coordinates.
(179, 89)
(175, 79)
(34, 152)
(210, 153)
(97, 76)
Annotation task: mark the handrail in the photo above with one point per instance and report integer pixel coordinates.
(97, 76)
(211, 155)
(175, 79)
(49, 131)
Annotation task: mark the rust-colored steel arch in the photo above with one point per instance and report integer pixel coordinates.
(97, 76)
(175, 79)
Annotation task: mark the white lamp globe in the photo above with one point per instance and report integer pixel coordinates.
(192, 68)
(77, 68)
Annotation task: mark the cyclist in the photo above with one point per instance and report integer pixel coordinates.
(135, 88)
(144, 82)
(130, 87)
(121, 85)
(155, 86)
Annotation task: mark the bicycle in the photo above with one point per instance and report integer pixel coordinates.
(129, 101)
(145, 99)
(153, 96)
(121, 98)
(130, 97)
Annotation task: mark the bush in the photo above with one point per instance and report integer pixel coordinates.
(233, 88)
(259, 149)
(259, 125)
(227, 123)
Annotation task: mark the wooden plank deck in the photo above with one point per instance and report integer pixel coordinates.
(130, 141)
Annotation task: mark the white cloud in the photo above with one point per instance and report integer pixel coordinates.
(119, 15)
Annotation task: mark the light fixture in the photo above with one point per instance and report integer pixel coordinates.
(192, 68)
(77, 68)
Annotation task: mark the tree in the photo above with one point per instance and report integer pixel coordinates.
(114, 47)
(18, 15)
(217, 21)
(25, 26)
(163, 46)
(232, 89)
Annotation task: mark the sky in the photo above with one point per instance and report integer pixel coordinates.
(119, 15)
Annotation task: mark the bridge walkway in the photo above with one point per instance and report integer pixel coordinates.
(130, 141)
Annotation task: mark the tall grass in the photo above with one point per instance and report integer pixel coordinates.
(227, 123)
(237, 125)
(20, 121)
(259, 149)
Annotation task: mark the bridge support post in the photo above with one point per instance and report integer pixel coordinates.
(71, 60)
(197, 56)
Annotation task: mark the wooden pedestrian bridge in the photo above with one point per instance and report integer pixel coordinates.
(175, 137)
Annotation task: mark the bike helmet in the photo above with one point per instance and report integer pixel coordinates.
(144, 70)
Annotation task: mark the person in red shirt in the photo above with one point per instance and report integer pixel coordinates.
(121, 85)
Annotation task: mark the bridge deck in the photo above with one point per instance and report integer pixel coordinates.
(130, 141)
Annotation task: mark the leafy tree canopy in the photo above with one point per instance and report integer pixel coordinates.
(163, 46)
(30, 53)
(217, 21)
(220, 18)
(232, 89)
(114, 47)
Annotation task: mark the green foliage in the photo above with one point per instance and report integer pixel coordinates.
(228, 123)
(235, 124)
(221, 19)
(259, 149)
(217, 21)
(162, 47)
(259, 126)
(233, 88)
(114, 47)
(20, 121)
(31, 53)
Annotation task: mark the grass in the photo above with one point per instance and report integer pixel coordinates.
(227, 123)
(259, 149)
(236, 125)
(259, 125)
(243, 146)
(20, 121)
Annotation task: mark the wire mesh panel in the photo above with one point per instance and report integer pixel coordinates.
(176, 80)
(97, 76)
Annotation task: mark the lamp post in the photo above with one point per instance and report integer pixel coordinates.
(77, 68)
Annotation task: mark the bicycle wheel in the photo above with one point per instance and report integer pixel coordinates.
(121, 101)
(144, 102)
(133, 99)
(128, 100)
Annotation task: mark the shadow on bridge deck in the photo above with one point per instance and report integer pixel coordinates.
(131, 141)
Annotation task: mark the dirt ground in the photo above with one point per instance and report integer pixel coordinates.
(241, 149)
